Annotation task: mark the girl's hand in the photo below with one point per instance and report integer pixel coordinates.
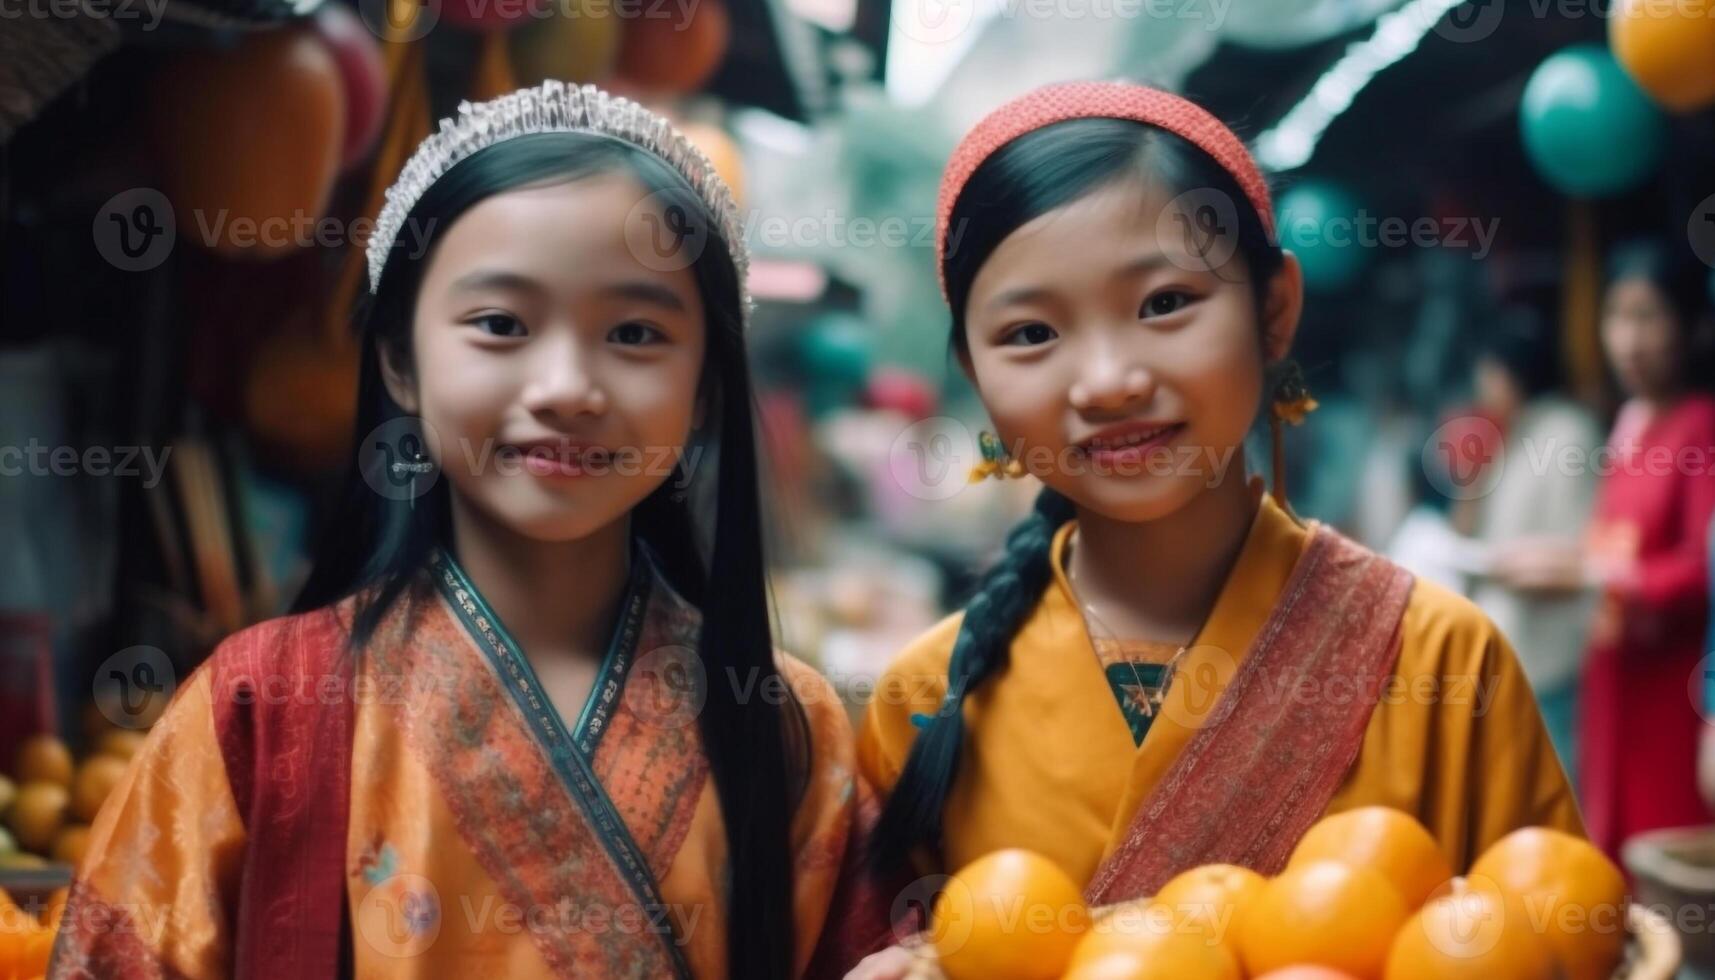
(1542, 565)
(892, 963)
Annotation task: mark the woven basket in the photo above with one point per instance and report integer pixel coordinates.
(1675, 869)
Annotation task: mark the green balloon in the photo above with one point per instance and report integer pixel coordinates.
(1588, 128)
(836, 352)
(1318, 223)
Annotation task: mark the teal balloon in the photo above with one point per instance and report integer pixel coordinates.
(1319, 223)
(837, 352)
(1588, 128)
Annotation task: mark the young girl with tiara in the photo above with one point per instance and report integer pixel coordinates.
(1167, 668)
(528, 720)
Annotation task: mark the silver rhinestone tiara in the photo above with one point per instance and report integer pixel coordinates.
(555, 107)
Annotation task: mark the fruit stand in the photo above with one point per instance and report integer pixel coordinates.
(48, 798)
(1366, 894)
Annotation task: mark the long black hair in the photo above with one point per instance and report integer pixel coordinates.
(1028, 177)
(375, 546)
(1522, 343)
(1686, 284)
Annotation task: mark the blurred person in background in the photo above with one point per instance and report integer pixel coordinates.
(1706, 747)
(1648, 547)
(1532, 518)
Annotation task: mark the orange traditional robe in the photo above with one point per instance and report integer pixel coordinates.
(487, 836)
(1050, 761)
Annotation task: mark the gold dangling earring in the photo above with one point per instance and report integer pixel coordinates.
(995, 462)
(1292, 402)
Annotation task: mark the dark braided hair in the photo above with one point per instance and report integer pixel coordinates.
(1028, 177)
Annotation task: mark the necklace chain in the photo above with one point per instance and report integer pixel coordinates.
(1154, 694)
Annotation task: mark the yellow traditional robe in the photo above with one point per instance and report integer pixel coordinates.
(1050, 764)
(457, 861)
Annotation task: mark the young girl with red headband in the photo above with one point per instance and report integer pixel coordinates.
(1167, 668)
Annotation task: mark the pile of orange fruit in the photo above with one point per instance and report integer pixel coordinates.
(26, 940)
(1366, 895)
(48, 799)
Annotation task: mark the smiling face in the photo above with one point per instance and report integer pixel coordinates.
(559, 374)
(1124, 369)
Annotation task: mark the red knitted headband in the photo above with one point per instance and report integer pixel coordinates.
(1087, 100)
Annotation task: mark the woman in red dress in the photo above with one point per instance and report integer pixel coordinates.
(1648, 545)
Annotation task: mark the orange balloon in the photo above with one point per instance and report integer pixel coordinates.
(1009, 915)
(721, 151)
(1385, 839)
(1569, 889)
(669, 55)
(1323, 913)
(576, 45)
(249, 140)
(1470, 932)
(300, 402)
(1668, 47)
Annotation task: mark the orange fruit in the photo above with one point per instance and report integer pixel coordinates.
(121, 743)
(1213, 897)
(1470, 931)
(1306, 973)
(94, 780)
(1009, 915)
(1113, 964)
(1176, 954)
(36, 947)
(38, 813)
(1571, 893)
(1382, 838)
(70, 843)
(1324, 913)
(1125, 928)
(43, 758)
(18, 944)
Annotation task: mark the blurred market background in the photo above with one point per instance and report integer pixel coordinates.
(1509, 145)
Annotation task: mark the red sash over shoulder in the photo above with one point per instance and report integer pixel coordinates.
(1283, 735)
(283, 717)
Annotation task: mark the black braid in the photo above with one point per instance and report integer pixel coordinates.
(1004, 597)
